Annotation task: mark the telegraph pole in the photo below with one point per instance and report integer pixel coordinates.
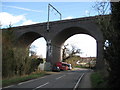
(49, 5)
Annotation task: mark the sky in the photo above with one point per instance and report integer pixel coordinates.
(23, 13)
(26, 13)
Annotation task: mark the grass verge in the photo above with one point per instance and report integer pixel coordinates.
(19, 79)
(98, 80)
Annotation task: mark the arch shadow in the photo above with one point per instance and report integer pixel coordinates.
(27, 38)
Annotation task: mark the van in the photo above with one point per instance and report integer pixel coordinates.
(62, 65)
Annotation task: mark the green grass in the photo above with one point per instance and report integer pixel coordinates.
(19, 79)
(80, 66)
(98, 80)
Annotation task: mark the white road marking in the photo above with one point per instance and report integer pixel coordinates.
(41, 86)
(30, 81)
(9, 86)
(78, 81)
(24, 82)
(60, 77)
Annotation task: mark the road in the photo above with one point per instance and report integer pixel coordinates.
(63, 79)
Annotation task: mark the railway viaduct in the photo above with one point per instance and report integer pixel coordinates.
(58, 33)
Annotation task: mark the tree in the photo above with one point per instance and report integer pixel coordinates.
(110, 27)
(15, 60)
(75, 51)
(113, 51)
(102, 7)
(67, 52)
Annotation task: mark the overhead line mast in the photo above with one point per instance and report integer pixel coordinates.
(49, 5)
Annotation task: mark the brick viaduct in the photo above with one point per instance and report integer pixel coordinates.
(58, 33)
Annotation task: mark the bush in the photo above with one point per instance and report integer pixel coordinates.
(15, 60)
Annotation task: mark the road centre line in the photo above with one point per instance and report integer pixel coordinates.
(78, 81)
(41, 86)
(60, 77)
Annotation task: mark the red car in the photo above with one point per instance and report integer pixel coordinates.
(62, 65)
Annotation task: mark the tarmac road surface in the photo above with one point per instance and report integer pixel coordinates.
(64, 79)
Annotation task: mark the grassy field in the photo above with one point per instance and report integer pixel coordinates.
(18, 79)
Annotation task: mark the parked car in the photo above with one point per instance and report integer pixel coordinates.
(55, 69)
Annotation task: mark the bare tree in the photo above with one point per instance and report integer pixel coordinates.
(102, 7)
(67, 52)
(75, 50)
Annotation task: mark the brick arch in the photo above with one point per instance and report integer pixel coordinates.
(64, 34)
(27, 38)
